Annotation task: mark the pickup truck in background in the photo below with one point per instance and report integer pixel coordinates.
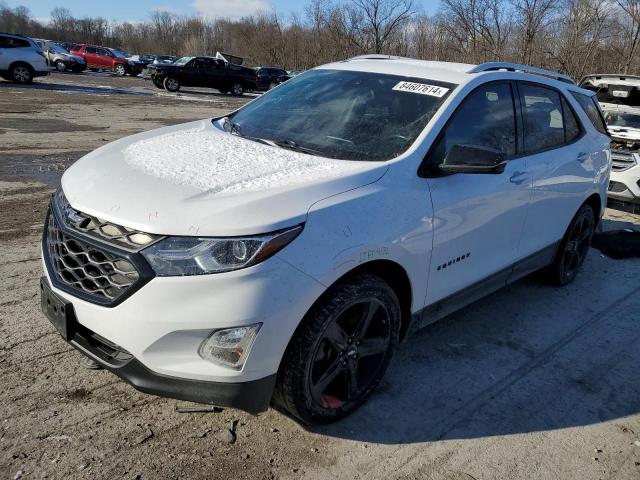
(224, 73)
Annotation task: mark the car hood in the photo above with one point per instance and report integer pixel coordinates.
(195, 179)
(625, 133)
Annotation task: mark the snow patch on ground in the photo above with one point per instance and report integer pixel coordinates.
(217, 162)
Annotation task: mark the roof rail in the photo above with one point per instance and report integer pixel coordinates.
(516, 67)
(372, 56)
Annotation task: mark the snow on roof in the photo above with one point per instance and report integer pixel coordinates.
(216, 162)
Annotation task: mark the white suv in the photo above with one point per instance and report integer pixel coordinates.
(619, 97)
(21, 59)
(278, 255)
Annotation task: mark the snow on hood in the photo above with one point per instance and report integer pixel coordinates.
(213, 161)
(195, 179)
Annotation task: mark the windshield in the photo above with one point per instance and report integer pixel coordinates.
(183, 60)
(342, 114)
(617, 119)
(119, 53)
(58, 48)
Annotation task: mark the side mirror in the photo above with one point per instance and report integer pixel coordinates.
(473, 159)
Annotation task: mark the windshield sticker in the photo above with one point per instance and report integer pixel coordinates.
(421, 88)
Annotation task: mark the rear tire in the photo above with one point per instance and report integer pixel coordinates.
(573, 248)
(171, 84)
(237, 89)
(21, 73)
(340, 352)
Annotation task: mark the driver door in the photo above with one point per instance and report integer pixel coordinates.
(478, 217)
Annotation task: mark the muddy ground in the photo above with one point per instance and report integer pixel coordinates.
(531, 382)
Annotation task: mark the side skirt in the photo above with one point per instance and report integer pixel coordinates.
(440, 309)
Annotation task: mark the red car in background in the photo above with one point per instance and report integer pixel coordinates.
(101, 58)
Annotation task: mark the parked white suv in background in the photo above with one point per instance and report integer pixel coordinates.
(21, 59)
(278, 255)
(619, 97)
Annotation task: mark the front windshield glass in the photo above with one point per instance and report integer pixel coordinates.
(343, 114)
(618, 119)
(58, 49)
(119, 53)
(183, 60)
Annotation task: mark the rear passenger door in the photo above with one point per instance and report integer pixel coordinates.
(478, 218)
(559, 160)
(91, 56)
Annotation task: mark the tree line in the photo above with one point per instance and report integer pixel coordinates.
(573, 36)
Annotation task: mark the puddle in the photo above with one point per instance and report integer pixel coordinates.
(65, 88)
(46, 169)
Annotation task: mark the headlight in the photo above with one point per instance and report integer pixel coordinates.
(229, 347)
(177, 256)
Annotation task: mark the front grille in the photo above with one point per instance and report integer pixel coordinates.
(85, 269)
(622, 160)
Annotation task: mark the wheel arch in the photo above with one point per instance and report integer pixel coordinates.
(21, 62)
(395, 276)
(595, 202)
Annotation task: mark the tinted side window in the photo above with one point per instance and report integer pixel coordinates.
(486, 118)
(90, 50)
(542, 118)
(10, 42)
(571, 125)
(592, 110)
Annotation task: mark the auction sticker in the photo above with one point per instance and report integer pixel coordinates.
(421, 88)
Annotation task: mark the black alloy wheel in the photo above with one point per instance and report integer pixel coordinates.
(340, 351)
(573, 248)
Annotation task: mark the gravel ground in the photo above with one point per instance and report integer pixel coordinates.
(531, 382)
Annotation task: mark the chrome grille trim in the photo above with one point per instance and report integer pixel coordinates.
(101, 229)
(622, 160)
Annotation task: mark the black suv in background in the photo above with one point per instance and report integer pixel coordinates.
(203, 72)
(269, 77)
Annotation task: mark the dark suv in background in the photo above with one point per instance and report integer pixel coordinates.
(269, 77)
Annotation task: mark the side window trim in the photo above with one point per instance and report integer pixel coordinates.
(562, 96)
(425, 172)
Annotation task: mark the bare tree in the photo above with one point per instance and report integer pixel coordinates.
(533, 16)
(375, 22)
(632, 33)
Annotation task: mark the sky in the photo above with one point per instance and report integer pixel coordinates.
(138, 10)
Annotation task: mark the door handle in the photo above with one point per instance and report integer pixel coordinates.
(518, 177)
(582, 157)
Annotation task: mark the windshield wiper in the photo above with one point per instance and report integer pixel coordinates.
(291, 145)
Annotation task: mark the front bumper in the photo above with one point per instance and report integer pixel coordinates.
(253, 397)
(161, 326)
(624, 186)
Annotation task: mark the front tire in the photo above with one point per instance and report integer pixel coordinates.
(21, 74)
(158, 83)
(171, 84)
(60, 66)
(119, 70)
(573, 248)
(340, 351)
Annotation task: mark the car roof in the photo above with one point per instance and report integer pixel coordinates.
(451, 72)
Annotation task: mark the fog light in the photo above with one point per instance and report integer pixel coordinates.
(229, 346)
